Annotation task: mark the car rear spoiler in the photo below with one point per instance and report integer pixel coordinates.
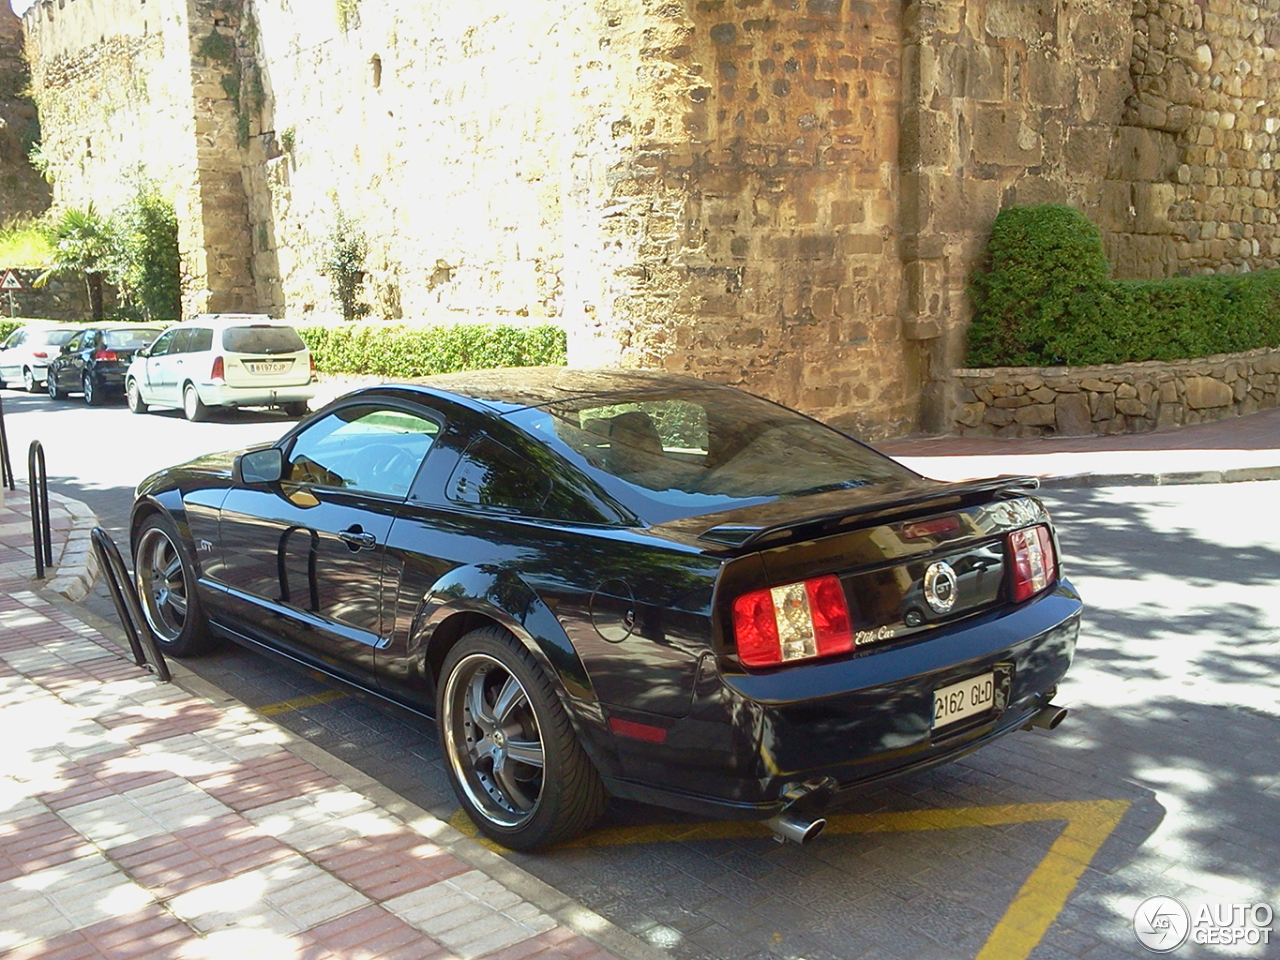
(743, 535)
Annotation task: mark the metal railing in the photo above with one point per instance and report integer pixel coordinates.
(124, 595)
(38, 488)
(6, 465)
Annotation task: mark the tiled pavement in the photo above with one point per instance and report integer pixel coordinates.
(140, 820)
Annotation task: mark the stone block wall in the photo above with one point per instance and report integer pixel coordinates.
(1111, 399)
(24, 194)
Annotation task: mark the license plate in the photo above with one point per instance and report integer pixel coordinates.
(279, 367)
(964, 699)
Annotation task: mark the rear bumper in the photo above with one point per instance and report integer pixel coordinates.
(859, 721)
(225, 395)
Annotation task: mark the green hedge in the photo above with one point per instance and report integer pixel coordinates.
(1044, 299)
(399, 351)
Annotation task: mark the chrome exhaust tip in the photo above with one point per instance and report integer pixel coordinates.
(1048, 718)
(795, 827)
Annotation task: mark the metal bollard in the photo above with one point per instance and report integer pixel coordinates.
(6, 465)
(128, 607)
(38, 487)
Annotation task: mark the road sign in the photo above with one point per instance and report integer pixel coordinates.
(10, 281)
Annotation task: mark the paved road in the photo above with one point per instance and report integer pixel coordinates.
(1165, 780)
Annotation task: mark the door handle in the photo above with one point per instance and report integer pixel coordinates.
(357, 539)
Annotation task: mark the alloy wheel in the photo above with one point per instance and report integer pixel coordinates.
(162, 585)
(28, 380)
(493, 741)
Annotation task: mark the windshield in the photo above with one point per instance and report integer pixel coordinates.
(701, 450)
(262, 339)
(128, 339)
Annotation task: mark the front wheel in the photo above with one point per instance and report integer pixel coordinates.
(193, 406)
(510, 750)
(92, 394)
(134, 396)
(167, 587)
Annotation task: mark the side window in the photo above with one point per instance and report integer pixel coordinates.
(74, 343)
(490, 475)
(182, 343)
(163, 342)
(201, 340)
(18, 338)
(367, 448)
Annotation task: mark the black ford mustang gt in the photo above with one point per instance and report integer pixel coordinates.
(621, 583)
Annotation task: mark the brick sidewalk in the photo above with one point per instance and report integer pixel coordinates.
(139, 820)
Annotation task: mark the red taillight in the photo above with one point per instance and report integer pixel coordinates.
(797, 621)
(313, 363)
(105, 355)
(40, 353)
(1035, 566)
(219, 371)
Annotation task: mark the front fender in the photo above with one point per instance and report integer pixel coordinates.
(504, 597)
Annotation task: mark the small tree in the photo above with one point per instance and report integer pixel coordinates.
(343, 264)
(151, 274)
(86, 243)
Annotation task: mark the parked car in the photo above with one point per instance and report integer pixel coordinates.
(621, 583)
(223, 360)
(25, 354)
(94, 360)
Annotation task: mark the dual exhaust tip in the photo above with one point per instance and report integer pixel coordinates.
(793, 827)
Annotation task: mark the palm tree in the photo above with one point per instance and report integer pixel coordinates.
(84, 242)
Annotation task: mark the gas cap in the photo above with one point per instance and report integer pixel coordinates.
(613, 610)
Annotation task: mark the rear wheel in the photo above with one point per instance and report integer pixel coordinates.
(167, 587)
(134, 396)
(193, 406)
(92, 393)
(52, 384)
(29, 381)
(295, 408)
(512, 756)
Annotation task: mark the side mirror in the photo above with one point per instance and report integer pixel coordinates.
(144, 352)
(258, 466)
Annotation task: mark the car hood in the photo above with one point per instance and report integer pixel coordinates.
(213, 469)
(803, 517)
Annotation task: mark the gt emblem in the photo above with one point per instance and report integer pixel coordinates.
(940, 586)
(204, 546)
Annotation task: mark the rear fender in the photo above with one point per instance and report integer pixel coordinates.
(505, 598)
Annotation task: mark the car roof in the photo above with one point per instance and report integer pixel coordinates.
(234, 320)
(506, 388)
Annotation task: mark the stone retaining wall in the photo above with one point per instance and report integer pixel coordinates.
(1120, 398)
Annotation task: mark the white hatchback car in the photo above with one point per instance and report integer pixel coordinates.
(223, 360)
(25, 355)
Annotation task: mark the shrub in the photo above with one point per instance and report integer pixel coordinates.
(399, 351)
(151, 267)
(343, 264)
(1045, 299)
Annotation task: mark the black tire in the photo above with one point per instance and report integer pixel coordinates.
(52, 386)
(192, 406)
(92, 392)
(134, 397)
(295, 408)
(165, 577)
(519, 804)
(29, 381)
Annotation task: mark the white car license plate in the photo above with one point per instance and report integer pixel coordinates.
(280, 367)
(963, 699)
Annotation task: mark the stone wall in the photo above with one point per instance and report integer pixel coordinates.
(788, 195)
(64, 297)
(24, 194)
(1111, 399)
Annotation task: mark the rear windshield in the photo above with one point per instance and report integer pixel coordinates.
(128, 339)
(701, 450)
(54, 338)
(262, 339)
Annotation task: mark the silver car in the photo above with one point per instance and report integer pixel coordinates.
(25, 355)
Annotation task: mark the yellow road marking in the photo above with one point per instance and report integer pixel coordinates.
(1034, 908)
(297, 703)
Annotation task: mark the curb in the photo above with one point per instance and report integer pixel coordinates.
(76, 571)
(545, 897)
(1238, 475)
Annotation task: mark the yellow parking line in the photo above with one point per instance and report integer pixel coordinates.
(297, 703)
(1028, 918)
